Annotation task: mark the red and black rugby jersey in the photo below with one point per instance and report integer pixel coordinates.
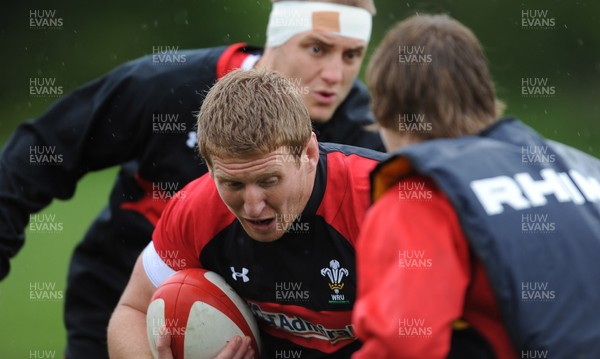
(302, 287)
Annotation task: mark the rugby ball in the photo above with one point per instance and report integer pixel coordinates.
(201, 312)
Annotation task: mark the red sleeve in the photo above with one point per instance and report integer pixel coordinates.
(231, 59)
(191, 219)
(413, 270)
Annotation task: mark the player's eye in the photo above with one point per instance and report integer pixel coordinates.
(352, 55)
(233, 185)
(269, 182)
(316, 50)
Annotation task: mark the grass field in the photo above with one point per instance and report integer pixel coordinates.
(32, 297)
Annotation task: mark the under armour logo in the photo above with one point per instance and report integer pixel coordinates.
(243, 274)
(192, 140)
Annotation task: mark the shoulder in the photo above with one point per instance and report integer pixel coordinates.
(414, 191)
(349, 165)
(194, 216)
(415, 212)
(349, 152)
(346, 196)
(173, 67)
(350, 162)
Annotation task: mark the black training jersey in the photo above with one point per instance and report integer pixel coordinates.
(301, 287)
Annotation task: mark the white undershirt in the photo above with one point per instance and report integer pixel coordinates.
(249, 62)
(156, 269)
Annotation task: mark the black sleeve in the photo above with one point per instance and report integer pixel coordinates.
(94, 127)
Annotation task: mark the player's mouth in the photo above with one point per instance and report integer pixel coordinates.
(261, 224)
(325, 97)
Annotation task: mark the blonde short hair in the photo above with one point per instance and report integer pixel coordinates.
(448, 84)
(252, 112)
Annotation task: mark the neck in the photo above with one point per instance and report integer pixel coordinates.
(394, 141)
(266, 60)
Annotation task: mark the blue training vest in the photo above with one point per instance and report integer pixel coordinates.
(530, 209)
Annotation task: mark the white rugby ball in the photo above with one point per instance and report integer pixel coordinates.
(201, 312)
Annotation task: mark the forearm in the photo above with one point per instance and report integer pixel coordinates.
(127, 336)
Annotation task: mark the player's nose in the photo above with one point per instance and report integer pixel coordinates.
(333, 71)
(254, 201)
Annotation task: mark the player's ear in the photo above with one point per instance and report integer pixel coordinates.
(312, 152)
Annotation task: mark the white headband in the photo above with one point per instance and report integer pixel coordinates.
(289, 18)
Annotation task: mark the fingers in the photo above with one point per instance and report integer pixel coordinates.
(250, 353)
(247, 352)
(237, 348)
(163, 344)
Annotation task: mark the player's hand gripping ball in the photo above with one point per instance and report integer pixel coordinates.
(201, 312)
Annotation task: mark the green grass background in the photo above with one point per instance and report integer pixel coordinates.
(29, 327)
(97, 36)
